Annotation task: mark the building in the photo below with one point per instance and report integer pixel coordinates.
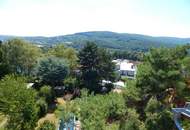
(126, 68)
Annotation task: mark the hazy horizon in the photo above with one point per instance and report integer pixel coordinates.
(60, 17)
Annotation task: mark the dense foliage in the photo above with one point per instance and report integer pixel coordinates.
(52, 70)
(18, 103)
(161, 84)
(131, 122)
(162, 71)
(131, 55)
(47, 125)
(47, 93)
(63, 52)
(96, 111)
(95, 65)
(162, 81)
(20, 56)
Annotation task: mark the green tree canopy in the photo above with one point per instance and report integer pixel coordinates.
(18, 103)
(20, 56)
(4, 69)
(89, 61)
(52, 70)
(162, 69)
(95, 65)
(69, 54)
(131, 122)
(96, 111)
(107, 67)
(47, 93)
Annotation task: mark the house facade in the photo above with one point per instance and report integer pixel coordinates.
(126, 68)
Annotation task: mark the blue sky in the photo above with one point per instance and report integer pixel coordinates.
(59, 17)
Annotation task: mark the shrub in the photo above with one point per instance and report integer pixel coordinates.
(47, 125)
(43, 107)
(47, 93)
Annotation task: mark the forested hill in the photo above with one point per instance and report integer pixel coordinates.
(122, 41)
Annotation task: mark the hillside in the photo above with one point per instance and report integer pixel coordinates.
(112, 40)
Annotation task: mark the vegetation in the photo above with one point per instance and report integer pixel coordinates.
(52, 71)
(47, 93)
(18, 103)
(132, 122)
(47, 126)
(131, 55)
(97, 111)
(63, 52)
(96, 65)
(111, 40)
(20, 56)
(162, 81)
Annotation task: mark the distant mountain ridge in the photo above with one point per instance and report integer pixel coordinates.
(112, 40)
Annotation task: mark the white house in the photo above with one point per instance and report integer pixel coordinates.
(126, 68)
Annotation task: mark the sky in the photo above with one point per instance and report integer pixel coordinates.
(60, 17)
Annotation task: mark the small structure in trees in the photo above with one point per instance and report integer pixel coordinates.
(71, 124)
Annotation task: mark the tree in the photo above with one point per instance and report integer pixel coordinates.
(160, 121)
(160, 79)
(18, 103)
(47, 93)
(131, 55)
(47, 125)
(20, 56)
(116, 108)
(161, 70)
(153, 106)
(42, 106)
(69, 54)
(89, 61)
(4, 69)
(70, 83)
(106, 66)
(131, 122)
(95, 111)
(52, 70)
(132, 94)
(95, 65)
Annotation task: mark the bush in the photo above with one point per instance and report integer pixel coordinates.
(70, 83)
(131, 122)
(153, 106)
(47, 125)
(160, 121)
(43, 107)
(47, 93)
(96, 110)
